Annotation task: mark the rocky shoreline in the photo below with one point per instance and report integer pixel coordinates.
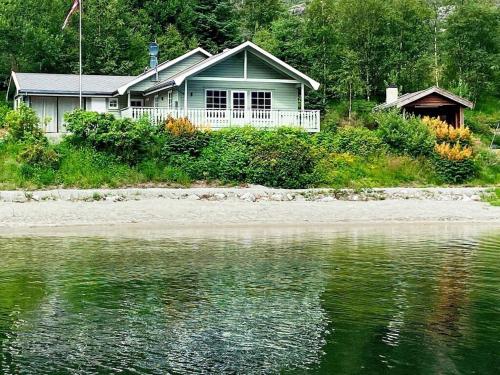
(247, 194)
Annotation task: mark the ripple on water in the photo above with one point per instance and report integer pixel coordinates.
(251, 306)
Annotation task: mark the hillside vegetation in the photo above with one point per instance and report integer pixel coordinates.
(104, 151)
(353, 48)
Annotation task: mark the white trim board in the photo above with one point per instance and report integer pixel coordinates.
(226, 79)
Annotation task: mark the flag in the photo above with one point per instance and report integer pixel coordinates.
(72, 10)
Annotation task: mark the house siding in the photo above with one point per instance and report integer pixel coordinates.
(231, 68)
(260, 69)
(169, 72)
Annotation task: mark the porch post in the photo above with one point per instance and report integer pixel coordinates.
(245, 66)
(302, 97)
(185, 97)
(128, 99)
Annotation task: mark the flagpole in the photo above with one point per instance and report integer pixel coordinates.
(80, 32)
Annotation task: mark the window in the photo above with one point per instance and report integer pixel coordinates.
(136, 102)
(261, 104)
(216, 103)
(156, 101)
(113, 103)
(261, 100)
(239, 104)
(216, 99)
(169, 99)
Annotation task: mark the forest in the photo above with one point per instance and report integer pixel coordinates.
(354, 48)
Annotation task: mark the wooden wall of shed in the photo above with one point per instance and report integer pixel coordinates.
(433, 100)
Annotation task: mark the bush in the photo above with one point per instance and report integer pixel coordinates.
(23, 123)
(182, 137)
(405, 134)
(4, 109)
(228, 154)
(282, 158)
(446, 133)
(454, 164)
(355, 140)
(39, 154)
(129, 141)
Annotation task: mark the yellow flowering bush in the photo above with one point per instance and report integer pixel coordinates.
(453, 152)
(447, 133)
(179, 126)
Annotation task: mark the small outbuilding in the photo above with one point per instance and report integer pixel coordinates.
(432, 102)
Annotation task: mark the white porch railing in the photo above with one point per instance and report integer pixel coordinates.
(218, 119)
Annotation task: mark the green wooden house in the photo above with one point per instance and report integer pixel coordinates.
(245, 85)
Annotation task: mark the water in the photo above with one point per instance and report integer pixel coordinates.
(404, 302)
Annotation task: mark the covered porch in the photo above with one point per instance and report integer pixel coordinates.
(309, 120)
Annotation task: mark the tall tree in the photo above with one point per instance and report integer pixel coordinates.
(472, 45)
(217, 24)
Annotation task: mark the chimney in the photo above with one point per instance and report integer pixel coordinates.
(153, 57)
(391, 94)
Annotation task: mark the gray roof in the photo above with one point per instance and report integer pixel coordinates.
(410, 97)
(43, 83)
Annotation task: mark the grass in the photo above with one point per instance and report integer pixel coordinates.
(346, 170)
(494, 198)
(82, 168)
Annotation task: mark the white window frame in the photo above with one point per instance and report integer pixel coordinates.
(170, 99)
(264, 91)
(113, 103)
(239, 112)
(156, 101)
(137, 100)
(215, 113)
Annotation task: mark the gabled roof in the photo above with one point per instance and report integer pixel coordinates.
(179, 78)
(411, 97)
(67, 84)
(160, 67)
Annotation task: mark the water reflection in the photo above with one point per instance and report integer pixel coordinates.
(336, 304)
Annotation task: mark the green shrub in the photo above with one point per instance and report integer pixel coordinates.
(23, 123)
(4, 109)
(455, 171)
(357, 141)
(39, 154)
(182, 137)
(176, 175)
(404, 134)
(129, 141)
(228, 154)
(282, 158)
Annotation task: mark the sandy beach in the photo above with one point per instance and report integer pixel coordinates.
(213, 208)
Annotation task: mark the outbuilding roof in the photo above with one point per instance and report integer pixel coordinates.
(411, 97)
(68, 84)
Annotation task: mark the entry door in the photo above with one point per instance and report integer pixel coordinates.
(239, 101)
(65, 105)
(46, 109)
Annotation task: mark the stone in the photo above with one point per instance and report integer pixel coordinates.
(300, 198)
(249, 197)
(327, 199)
(277, 197)
(219, 196)
(289, 197)
(193, 197)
